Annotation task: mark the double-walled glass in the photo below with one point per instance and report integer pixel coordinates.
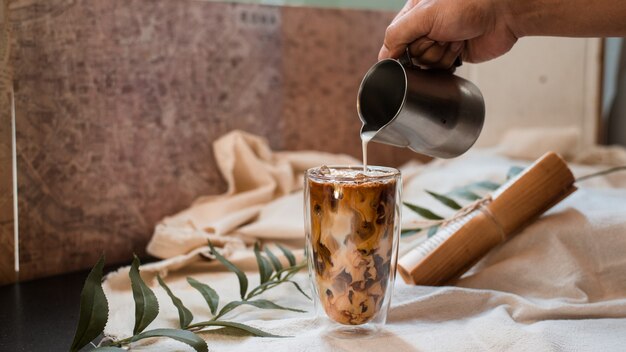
(352, 222)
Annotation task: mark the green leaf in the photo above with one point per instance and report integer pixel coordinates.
(299, 289)
(240, 326)
(184, 315)
(210, 296)
(259, 303)
(146, 304)
(94, 308)
(243, 280)
(290, 257)
(409, 232)
(492, 186)
(183, 336)
(275, 262)
(108, 349)
(513, 171)
(449, 202)
(465, 194)
(266, 304)
(423, 212)
(432, 231)
(228, 307)
(265, 269)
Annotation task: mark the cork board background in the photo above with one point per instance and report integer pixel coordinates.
(117, 103)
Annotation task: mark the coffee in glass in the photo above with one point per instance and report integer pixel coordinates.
(352, 226)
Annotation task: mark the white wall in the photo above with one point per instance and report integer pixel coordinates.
(550, 82)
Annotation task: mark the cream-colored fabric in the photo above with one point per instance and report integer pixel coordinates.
(559, 285)
(260, 185)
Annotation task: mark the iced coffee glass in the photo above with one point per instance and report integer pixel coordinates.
(352, 222)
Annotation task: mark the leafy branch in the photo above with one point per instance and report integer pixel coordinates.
(471, 192)
(94, 307)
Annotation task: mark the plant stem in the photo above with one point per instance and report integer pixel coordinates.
(600, 173)
(275, 280)
(122, 342)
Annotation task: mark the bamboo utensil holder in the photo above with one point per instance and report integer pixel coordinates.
(459, 245)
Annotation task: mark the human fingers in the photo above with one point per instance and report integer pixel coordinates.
(383, 53)
(419, 47)
(414, 24)
(447, 60)
(430, 56)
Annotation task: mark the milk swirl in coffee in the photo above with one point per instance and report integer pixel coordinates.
(352, 216)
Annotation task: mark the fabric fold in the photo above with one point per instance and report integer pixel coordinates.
(256, 179)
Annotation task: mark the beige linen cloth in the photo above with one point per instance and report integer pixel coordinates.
(559, 285)
(258, 204)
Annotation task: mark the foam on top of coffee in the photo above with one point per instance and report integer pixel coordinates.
(351, 175)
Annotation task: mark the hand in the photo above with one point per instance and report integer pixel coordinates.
(438, 31)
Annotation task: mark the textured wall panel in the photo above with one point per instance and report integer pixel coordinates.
(7, 271)
(118, 103)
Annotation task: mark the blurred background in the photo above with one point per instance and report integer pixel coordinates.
(108, 108)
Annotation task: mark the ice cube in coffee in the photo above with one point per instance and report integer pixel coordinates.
(352, 225)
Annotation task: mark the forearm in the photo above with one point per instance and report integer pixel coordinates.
(569, 18)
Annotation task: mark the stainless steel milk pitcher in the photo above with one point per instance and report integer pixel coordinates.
(432, 112)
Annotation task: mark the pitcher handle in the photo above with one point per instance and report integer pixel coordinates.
(407, 60)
